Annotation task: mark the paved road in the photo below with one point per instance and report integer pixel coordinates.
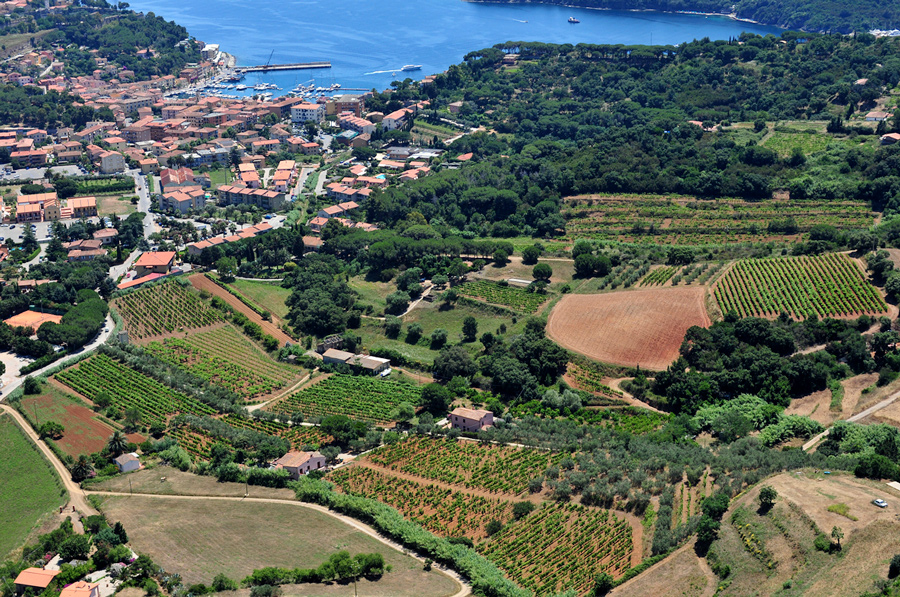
(857, 417)
(320, 185)
(10, 379)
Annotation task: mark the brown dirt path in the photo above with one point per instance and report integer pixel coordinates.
(201, 282)
(77, 497)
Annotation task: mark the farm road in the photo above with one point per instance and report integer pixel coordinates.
(359, 526)
(78, 499)
(201, 282)
(77, 496)
(857, 417)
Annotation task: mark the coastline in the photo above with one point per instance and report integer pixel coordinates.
(732, 16)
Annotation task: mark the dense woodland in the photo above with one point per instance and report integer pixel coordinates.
(815, 15)
(595, 118)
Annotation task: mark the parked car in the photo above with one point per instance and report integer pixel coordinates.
(880, 503)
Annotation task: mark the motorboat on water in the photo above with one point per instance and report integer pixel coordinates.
(573, 20)
(412, 67)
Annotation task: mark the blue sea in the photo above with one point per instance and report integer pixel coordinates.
(368, 42)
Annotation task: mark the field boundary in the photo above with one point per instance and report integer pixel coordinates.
(351, 522)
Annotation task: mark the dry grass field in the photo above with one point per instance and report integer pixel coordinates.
(180, 483)
(201, 538)
(639, 327)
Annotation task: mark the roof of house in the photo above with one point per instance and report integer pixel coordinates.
(81, 202)
(79, 589)
(470, 413)
(36, 198)
(370, 362)
(151, 259)
(36, 577)
(139, 281)
(312, 241)
(125, 458)
(294, 459)
(27, 208)
(333, 209)
(106, 233)
(341, 355)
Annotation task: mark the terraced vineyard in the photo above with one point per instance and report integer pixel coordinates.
(561, 546)
(226, 358)
(826, 286)
(362, 398)
(198, 442)
(592, 381)
(493, 468)
(442, 511)
(129, 388)
(513, 297)
(298, 435)
(685, 220)
(163, 309)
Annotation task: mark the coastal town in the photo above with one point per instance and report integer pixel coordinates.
(281, 314)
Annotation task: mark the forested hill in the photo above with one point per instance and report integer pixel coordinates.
(806, 15)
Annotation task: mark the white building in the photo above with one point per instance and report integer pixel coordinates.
(306, 112)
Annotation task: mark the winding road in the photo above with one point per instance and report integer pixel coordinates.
(78, 500)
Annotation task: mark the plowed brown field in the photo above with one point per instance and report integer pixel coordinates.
(639, 327)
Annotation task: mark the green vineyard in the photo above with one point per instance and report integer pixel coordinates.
(826, 286)
(163, 309)
(561, 546)
(473, 465)
(659, 276)
(128, 388)
(507, 296)
(442, 511)
(362, 398)
(226, 358)
(198, 442)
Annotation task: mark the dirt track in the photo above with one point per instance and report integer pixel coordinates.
(201, 282)
(77, 497)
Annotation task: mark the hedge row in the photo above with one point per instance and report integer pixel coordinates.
(485, 577)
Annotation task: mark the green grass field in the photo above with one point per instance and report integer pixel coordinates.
(220, 177)
(268, 296)
(784, 143)
(196, 538)
(372, 293)
(29, 488)
(431, 317)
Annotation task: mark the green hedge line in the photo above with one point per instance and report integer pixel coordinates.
(235, 294)
(485, 577)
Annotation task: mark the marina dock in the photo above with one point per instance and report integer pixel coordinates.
(292, 66)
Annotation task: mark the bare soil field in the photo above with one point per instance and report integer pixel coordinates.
(640, 327)
(680, 575)
(201, 538)
(814, 492)
(786, 533)
(84, 432)
(817, 405)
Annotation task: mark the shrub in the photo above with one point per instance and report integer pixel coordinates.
(32, 386)
(894, 569)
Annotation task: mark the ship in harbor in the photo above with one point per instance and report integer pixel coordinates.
(412, 67)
